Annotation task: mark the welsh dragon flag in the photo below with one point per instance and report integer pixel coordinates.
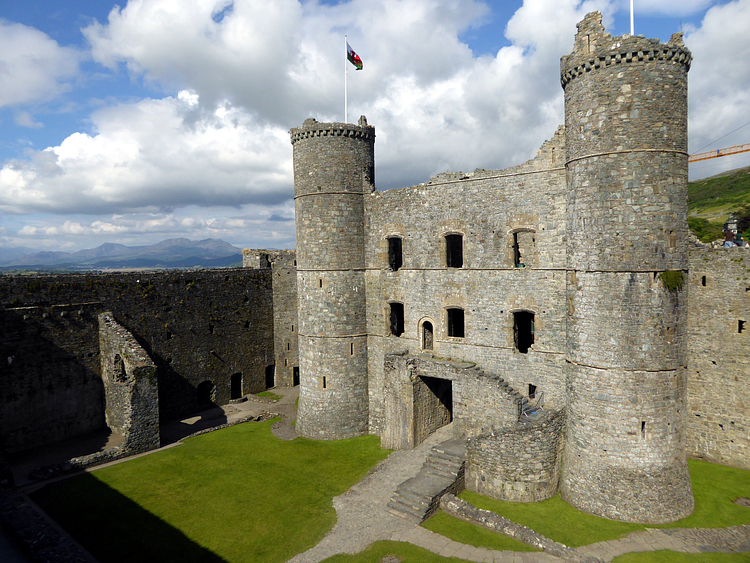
(353, 57)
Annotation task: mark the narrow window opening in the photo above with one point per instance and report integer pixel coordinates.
(523, 330)
(395, 256)
(643, 428)
(169, 335)
(351, 349)
(397, 319)
(288, 345)
(532, 391)
(320, 282)
(211, 329)
(295, 376)
(703, 281)
(292, 328)
(456, 323)
(517, 258)
(427, 335)
(740, 326)
(247, 324)
(454, 251)
(323, 382)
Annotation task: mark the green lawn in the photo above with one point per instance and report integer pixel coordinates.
(405, 552)
(465, 532)
(715, 487)
(235, 495)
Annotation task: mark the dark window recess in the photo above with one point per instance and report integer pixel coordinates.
(456, 323)
(236, 383)
(740, 326)
(454, 251)
(427, 335)
(397, 319)
(532, 391)
(395, 258)
(295, 376)
(270, 376)
(516, 252)
(523, 330)
(643, 428)
(703, 281)
(324, 382)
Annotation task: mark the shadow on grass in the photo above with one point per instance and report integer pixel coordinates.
(124, 532)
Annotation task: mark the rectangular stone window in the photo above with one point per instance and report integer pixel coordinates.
(532, 391)
(395, 257)
(454, 251)
(523, 330)
(740, 326)
(456, 323)
(397, 319)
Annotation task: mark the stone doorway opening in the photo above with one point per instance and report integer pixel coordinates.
(206, 393)
(433, 406)
(236, 386)
(270, 376)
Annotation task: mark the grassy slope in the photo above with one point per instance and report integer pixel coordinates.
(235, 495)
(715, 197)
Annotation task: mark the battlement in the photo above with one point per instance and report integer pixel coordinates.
(314, 128)
(594, 48)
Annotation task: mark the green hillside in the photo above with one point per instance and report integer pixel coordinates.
(711, 200)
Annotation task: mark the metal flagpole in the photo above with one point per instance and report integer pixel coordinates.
(632, 28)
(346, 75)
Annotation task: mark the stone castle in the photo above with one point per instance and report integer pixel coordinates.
(542, 309)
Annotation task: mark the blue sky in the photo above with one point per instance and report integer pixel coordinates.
(163, 118)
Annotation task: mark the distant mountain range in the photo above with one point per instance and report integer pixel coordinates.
(171, 253)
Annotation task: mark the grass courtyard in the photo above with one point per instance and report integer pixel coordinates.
(241, 495)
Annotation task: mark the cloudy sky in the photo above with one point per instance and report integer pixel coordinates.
(156, 119)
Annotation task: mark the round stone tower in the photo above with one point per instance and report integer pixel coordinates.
(626, 143)
(333, 170)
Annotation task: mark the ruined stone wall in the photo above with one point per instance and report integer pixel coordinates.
(130, 387)
(719, 364)
(520, 463)
(197, 326)
(487, 208)
(626, 224)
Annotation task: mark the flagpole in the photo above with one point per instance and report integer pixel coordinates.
(632, 27)
(346, 75)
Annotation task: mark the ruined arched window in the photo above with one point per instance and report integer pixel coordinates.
(118, 370)
(427, 335)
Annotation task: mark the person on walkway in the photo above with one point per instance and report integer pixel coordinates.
(728, 239)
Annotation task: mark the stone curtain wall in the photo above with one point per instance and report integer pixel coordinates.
(50, 388)
(487, 208)
(130, 387)
(719, 365)
(520, 463)
(285, 325)
(197, 326)
(626, 223)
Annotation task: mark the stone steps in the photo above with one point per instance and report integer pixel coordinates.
(417, 498)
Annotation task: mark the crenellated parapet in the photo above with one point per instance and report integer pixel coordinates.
(594, 49)
(313, 128)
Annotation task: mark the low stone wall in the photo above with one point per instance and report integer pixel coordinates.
(462, 509)
(519, 464)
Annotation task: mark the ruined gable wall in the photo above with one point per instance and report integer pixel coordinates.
(486, 207)
(197, 326)
(719, 362)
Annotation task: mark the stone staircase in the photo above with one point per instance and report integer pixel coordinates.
(418, 498)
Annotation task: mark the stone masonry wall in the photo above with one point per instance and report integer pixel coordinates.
(130, 387)
(719, 364)
(487, 208)
(520, 463)
(283, 264)
(197, 326)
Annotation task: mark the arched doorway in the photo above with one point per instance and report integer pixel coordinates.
(206, 393)
(427, 335)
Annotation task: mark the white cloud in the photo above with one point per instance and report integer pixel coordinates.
(154, 155)
(33, 67)
(24, 119)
